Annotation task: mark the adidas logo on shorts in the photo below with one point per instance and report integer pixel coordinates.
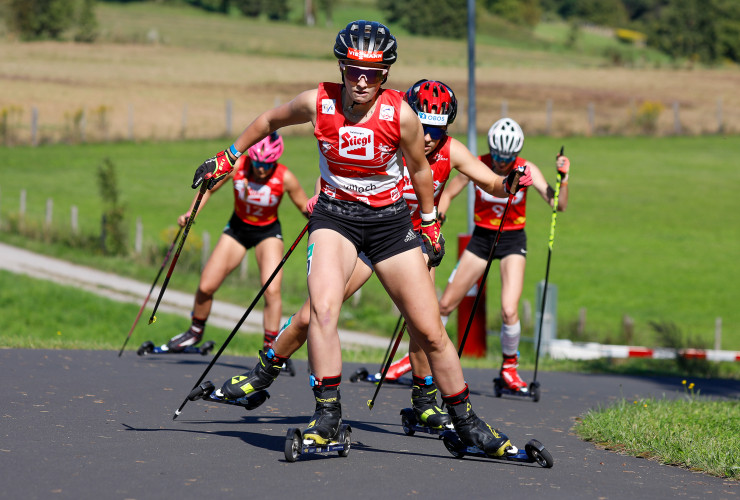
(410, 236)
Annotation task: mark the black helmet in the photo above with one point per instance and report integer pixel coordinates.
(367, 41)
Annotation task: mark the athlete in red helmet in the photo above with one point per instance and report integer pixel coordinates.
(259, 185)
(505, 141)
(362, 131)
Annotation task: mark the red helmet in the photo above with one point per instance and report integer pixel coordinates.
(268, 150)
(433, 101)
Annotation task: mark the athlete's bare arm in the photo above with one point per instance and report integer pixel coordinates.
(412, 146)
(295, 191)
(546, 191)
(452, 189)
(301, 109)
(463, 160)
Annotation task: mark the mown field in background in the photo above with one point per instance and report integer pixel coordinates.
(652, 228)
(167, 71)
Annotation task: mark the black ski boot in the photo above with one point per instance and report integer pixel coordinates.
(327, 419)
(424, 402)
(472, 430)
(191, 337)
(258, 378)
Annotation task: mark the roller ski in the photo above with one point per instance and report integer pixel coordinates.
(395, 371)
(510, 383)
(207, 392)
(473, 436)
(296, 444)
(148, 347)
(424, 415)
(325, 432)
(533, 451)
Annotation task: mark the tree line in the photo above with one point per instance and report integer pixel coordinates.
(705, 31)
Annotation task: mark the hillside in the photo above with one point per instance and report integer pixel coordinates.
(165, 72)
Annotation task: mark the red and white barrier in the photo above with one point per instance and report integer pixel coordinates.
(567, 349)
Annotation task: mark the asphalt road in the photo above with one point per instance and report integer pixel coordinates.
(87, 424)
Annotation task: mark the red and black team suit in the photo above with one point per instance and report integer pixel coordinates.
(361, 131)
(505, 139)
(259, 184)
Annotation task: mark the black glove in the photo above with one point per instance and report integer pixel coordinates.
(517, 179)
(217, 166)
(433, 241)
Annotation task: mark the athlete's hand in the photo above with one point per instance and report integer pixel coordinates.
(218, 166)
(517, 179)
(183, 219)
(433, 241)
(563, 164)
(311, 203)
(441, 217)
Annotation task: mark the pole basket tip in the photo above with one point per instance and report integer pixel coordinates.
(152, 319)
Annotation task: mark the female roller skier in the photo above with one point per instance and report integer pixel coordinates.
(362, 130)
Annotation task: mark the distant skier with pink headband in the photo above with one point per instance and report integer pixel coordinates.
(259, 184)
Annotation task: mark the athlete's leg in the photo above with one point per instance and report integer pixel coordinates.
(512, 280)
(409, 285)
(227, 255)
(406, 278)
(466, 274)
(294, 332)
(269, 253)
(224, 259)
(332, 260)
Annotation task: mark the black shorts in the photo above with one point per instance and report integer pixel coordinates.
(510, 243)
(248, 235)
(380, 233)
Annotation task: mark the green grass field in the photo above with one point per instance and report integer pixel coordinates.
(708, 439)
(650, 232)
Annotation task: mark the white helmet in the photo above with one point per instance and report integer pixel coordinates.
(505, 138)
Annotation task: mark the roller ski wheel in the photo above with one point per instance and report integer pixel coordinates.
(206, 347)
(538, 453)
(533, 452)
(532, 392)
(145, 348)
(296, 446)
(207, 392)
(360, 374)
(148, 347)
(411, 424)
(288, 367)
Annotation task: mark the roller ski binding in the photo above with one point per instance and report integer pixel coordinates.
(148, 347)
(510, 383)
(424, 415)
(207, 392)
(395, 371)
(325, 432)
(533, 451)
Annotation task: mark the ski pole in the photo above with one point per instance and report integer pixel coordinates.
(393, 338)
(371, 402)
(488, 265)
(159, 273)
(244, 316)
(193, 213)
(550, 243)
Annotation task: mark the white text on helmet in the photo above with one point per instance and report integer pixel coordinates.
(364, 55)
(432, 119)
